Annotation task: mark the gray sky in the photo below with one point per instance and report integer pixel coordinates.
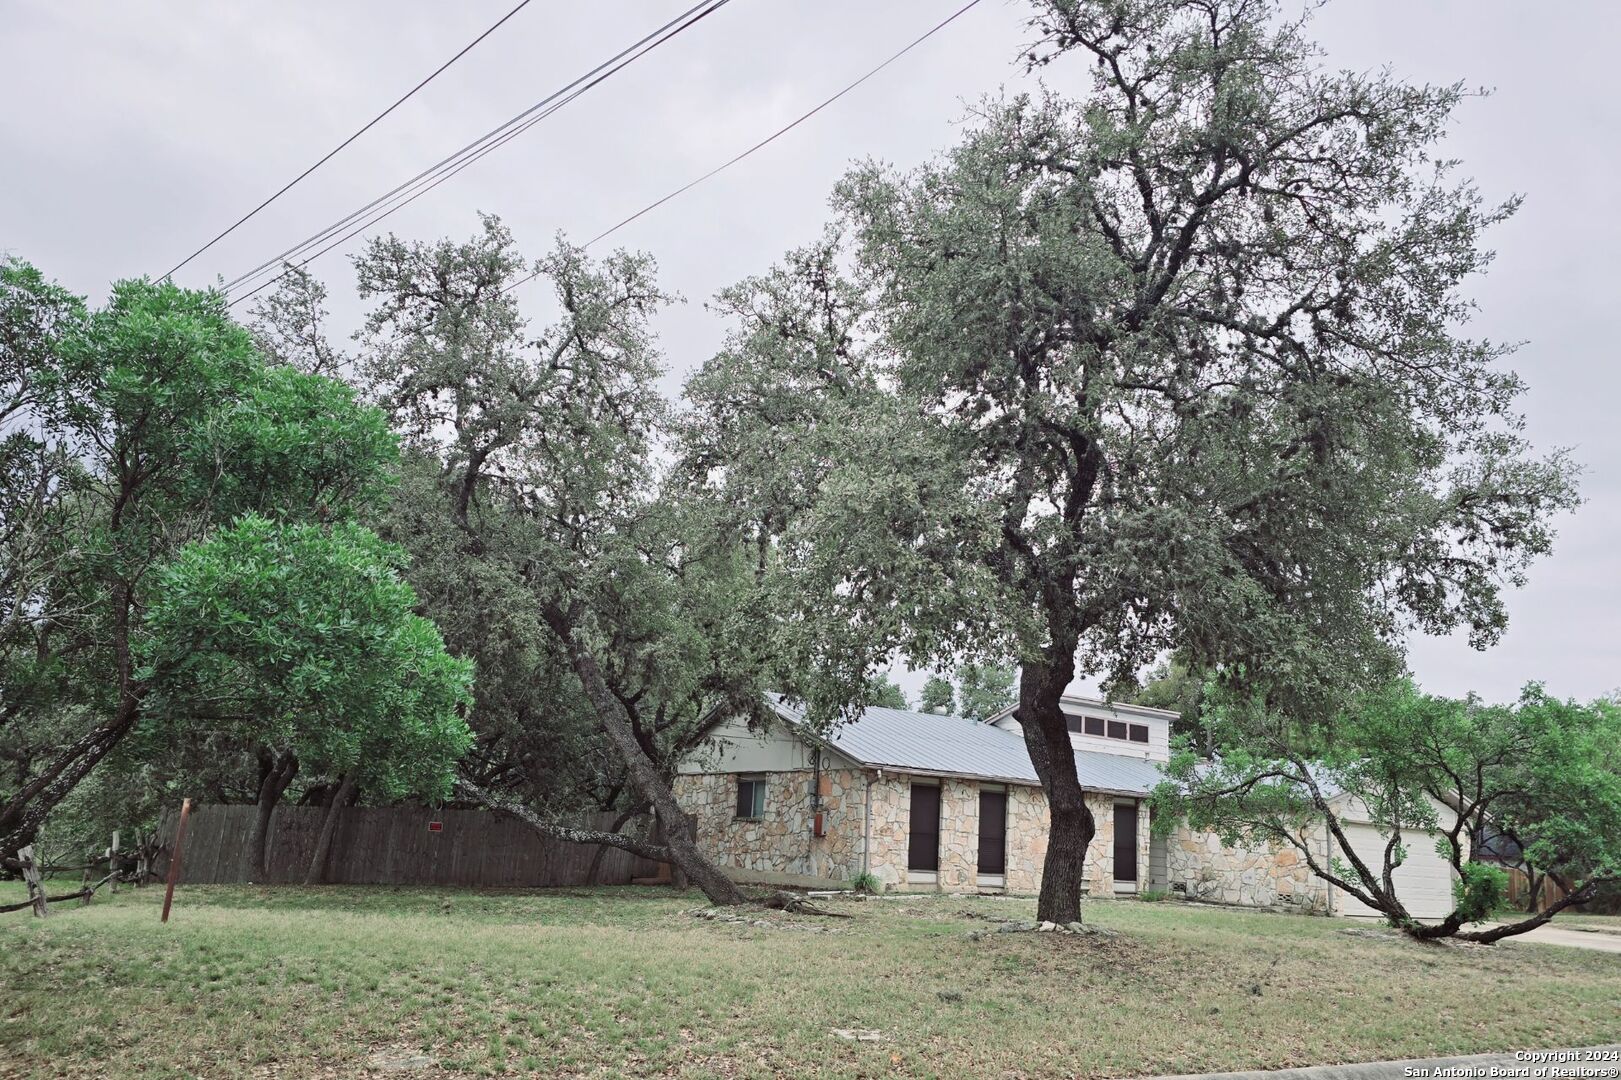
(148, 127)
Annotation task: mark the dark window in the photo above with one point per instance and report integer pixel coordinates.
(1074, 725)
(1117, 729)
(993, 832)
(750, 797)
(923, 843)
(1139, 733)
(1125, 842)
(1094, 725)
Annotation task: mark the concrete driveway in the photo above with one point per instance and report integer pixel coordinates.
(1554, 934)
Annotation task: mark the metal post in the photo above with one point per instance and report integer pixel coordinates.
(174, 858)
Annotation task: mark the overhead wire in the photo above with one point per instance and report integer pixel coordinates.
(424, 181)
(683, 189)
(330, 154)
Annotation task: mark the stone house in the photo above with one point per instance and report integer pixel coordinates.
(929, 802)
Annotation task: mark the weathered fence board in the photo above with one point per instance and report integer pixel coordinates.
(392, 845)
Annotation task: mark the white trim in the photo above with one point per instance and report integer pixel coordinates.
(992, 881)
(922, 877)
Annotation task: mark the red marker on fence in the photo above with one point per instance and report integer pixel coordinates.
(436, 826)
(174, 858)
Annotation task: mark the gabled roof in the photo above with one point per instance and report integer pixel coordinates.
(934, 745)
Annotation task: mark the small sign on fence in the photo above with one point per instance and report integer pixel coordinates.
(436, 826)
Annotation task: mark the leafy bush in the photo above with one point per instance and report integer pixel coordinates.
(867, 882)
(1154, 896)
(1480, 891)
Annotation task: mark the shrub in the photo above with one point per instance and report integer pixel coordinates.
(867, 882)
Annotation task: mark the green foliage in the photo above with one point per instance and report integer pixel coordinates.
(1153, 896)
(305, 637)
(1480, 892)
(866, 882)
(155, 421)
(1542, 774)
(884, 694)
(938, 696)
(984, 690)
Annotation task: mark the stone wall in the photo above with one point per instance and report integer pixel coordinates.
(781, 841)
(1027, 824)
(1258, 876)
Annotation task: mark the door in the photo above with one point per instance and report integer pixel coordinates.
(923, 834)
(1125, 843)
(993, 832)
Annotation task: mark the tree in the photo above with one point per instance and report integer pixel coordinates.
(541, 445)
(884, 694)
(938, 697)
(984, 689)
(305, 639)
(1174, 686)
(174, 426)
(1183, 359)
(1543, 773)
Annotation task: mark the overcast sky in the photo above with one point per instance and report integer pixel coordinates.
(132, 132)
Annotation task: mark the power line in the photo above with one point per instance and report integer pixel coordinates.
(448, 166)
(947, 21)
(337, 149)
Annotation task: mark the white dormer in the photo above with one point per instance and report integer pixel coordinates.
(1109, 727)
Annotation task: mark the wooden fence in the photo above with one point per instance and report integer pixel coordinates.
(394, 845)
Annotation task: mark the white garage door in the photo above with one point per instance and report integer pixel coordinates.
(1423, 880)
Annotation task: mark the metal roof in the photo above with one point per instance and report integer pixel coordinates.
(956, 746)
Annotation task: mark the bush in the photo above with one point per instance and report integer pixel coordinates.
(1153, 896)
(867, 882)
(1481, 891)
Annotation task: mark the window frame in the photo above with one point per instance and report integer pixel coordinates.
(1095, 726)
(1133, 729)
(757, 785)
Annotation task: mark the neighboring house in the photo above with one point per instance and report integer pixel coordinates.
(929, 802)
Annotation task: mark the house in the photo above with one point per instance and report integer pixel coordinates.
(925, 802)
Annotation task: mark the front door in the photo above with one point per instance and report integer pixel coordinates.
(1125, 842)
(992, 832)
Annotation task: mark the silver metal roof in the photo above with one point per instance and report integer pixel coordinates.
(956, 746)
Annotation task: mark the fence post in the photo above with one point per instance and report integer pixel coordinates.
(174, 858)
(36, 890)
(112, 866)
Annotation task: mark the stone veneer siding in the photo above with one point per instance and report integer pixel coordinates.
(781, 841)
(1259, 876)
(1027, 824)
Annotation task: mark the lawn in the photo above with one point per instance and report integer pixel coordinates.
(337, 982)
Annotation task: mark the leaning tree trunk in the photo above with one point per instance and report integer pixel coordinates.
(644, 776)
(340, 798)
(624, 818)
(1046, 735)
(278, 774)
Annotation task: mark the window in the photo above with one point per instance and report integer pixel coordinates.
(992, 832)
(1094, 725)
(751, 797)
(1139, 733)
(1074, 724)
(1117, 729)
(923, 840)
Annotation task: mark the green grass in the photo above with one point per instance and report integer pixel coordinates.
(248, 982)
(1603, 924)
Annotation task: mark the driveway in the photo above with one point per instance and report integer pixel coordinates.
(1554, 934)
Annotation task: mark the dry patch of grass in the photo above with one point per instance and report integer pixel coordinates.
(248, 982)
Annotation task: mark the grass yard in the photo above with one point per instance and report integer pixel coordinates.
(340, 982)
(1599, 924)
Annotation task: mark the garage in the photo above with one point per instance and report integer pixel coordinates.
(1423, 881)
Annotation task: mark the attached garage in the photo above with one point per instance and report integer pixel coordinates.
(1423, 880)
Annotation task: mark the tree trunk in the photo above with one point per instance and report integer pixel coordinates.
(644, 775)
(1046, 735)
(340, 798)
(559, 831)
(279, 770)
(36, 888)
(619, 823)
